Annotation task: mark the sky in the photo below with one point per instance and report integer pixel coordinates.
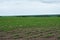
(29, 7)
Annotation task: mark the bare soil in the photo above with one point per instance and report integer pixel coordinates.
(30, 34)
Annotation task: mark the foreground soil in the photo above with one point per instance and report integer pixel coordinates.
(30, 34)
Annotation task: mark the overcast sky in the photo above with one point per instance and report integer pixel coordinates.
(29, 7)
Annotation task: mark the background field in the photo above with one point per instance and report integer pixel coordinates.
(30, 27)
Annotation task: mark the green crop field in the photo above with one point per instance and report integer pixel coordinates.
(9, 23)
(39, 24)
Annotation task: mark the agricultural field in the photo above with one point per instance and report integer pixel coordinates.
(29, 28)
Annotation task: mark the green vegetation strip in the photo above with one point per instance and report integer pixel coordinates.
(11, 23)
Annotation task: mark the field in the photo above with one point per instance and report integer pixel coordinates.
(29, 28)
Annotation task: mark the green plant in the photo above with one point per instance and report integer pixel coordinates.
(48, 35)
(58, 37)
(16, 36)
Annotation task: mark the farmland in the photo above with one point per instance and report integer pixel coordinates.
(30, 28)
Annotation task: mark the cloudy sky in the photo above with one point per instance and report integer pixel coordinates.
(29, 7)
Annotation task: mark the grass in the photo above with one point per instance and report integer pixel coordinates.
(10, 23)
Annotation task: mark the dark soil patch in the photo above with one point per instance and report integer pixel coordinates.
(30, 34)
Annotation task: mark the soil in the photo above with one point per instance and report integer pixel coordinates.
(30, 34)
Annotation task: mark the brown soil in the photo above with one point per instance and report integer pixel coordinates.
(30, 34)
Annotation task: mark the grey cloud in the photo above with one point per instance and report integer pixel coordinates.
(50, 1)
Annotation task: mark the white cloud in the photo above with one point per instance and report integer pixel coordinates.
(28, 7)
